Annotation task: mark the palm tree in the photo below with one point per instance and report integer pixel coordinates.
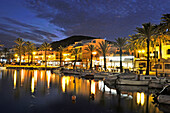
(30, 47)
(160, 37)
(121, 43)
(103, 49)
(19, 47)
(10, 56)
(135, 44)
(61, 51)
(45, 47)
(165, 20)
(5, 50)
(90, 49)
(75, 53)
(146, 33)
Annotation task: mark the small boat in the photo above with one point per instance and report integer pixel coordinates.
(102, 75)
(155, 85)
(164, 96)
(140, 80)
(88, 74)
(131, 82)
(2, 68)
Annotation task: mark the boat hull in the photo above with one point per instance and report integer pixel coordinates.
(164, 99)
(132, 82)
(2, 68)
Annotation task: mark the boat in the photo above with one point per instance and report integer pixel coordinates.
(71, 71)
(140, 80)
(102, 75)
(87, 74)
(2, 68)
(163, 97)
(131, 82)
(155, 85)
(112, 80)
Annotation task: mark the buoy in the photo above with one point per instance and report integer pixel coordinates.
(73, 98)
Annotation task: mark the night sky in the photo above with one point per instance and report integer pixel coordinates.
(52, 20)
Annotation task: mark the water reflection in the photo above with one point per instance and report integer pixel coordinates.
(32, 84)
(44, 82)
(15, 79)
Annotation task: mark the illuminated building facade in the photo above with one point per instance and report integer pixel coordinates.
(156, 62)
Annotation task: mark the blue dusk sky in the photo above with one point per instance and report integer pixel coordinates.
(52, 20)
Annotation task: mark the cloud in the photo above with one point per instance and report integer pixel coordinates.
(7, 39)
(100, 18)
(44, 33)
(19, 23)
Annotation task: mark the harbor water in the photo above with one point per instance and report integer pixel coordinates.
(40, 91)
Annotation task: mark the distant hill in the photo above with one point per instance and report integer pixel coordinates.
(70, 40)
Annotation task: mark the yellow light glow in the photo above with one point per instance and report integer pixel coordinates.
(138, 98)
(32, 85)
(22, 77)
(15, 78)
(41, 75)
(143, 51)
(33, 53)
(65, 82)
(67, 59)
(94, 53)
(65, 54)
(16, 55)
(48, 79)
(35, 76)
(139, 51)
(142, 98)
(93, 91)
(152, 54)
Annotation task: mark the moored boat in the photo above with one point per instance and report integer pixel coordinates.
(2, 68)
(164, 96)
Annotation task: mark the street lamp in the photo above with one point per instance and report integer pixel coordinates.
(94, 53)
(33, 55)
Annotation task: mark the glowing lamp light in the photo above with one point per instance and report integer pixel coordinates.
(139, 51)
(33, 53)
(152, 54)
(143, 51)
(65, 54)
(16, 55)
(94, 53)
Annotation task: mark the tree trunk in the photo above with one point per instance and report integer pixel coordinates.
(28, 59)
(148, 55)
(160, 49)
(20, 59)
(31, 58)
(45, 60)
(105, 62)
(19, 56)
(60, 58)
(91, 60)
(75, 62)
(121, 69)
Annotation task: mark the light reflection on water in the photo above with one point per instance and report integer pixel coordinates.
(38, 82)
